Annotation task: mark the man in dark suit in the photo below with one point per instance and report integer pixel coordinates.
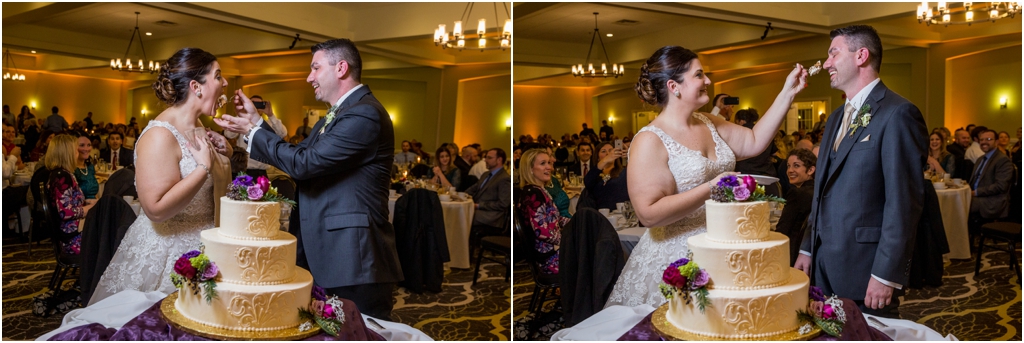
(608, 131)
(582, 165)
(870, 194)
(493, 197)
(116, 154)
(342, 174)
(991, 182)
(586, 130)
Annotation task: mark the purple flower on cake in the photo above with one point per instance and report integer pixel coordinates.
(673, 278)
(740, 193)
(255, 193)
(242, 181)
(701, 279)
(264, 183)
(679, 263)
(210, 273)
(191, 254)
(184, 268)
(817, 294)
(728, 182)
(319, 293)
(750, 183)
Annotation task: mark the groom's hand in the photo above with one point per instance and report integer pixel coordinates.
(878, 295)
(245, 116)
(803, 263)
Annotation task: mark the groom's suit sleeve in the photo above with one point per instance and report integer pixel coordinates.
(345, 145)
(902, 158)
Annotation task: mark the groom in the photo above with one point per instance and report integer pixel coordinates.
(869, 199)
(342, 171)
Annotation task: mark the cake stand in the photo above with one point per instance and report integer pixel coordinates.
(671, 332)
(182, 323)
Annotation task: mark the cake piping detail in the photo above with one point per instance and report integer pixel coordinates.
(259, 223)
(753, 222)
(756, 315)
(258, 265)
(756, 268)
(258, 309)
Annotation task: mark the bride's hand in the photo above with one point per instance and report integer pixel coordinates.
(200, 151)
(220, 144)
(796, 81)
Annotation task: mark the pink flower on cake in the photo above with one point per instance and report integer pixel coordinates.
(210, 273)
(827, 312)
(255, 192)
(740, 193)
(701, 279)
(264, 183)
(750, 183)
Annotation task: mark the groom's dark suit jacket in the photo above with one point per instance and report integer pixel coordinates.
(342, 177)
(868, 198)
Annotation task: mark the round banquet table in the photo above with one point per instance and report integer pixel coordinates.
(458, 220)
(955, 204)
(134, 315)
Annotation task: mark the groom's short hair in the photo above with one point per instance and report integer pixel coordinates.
(862, 36)
(342, 49)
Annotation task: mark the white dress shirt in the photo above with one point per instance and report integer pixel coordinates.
(974, 152)
(478, 169)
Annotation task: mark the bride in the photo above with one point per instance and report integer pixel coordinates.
(172, 178)
(677, 155)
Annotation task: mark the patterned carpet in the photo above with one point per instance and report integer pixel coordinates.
(459, 312)
(982, 308)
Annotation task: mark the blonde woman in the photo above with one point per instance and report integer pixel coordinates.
(64, 193)
(538, 208)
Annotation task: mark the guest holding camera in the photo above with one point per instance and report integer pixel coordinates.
(606, 184)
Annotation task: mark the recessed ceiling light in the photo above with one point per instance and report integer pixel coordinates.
(149, 33)
(609, 35)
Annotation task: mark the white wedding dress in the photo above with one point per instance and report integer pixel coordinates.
(660, 246)
(146, 256)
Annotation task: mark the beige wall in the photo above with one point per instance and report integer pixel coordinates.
(552, 110)
(484, 107)
(619, 104)
(75, 96)
(977, 83)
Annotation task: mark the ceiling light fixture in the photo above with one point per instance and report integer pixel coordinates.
(128, 66)
(8, 63)
(617, 69)
(942, 14)
(458, 38)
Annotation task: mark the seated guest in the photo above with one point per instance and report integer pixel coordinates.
(584, 151)
(470, 156)
(85, 171)
(1003, 142)
(940, 161)
(9, 148)
(992, 180)
(421, 155)
(606, 184)
(538, 207)
(973, 152)
(800, 172)
(406, 156)
(41, 145)
(492, 195)
(444, 172)
(64, 192)
(116, 154)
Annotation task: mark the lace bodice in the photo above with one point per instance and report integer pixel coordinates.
(638, 283)
(146, 256)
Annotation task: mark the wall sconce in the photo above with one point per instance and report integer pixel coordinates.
(508, 124)
(1002, 102)
(143, 113)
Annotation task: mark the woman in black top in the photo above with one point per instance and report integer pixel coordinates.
(800, 172)
(606, 183)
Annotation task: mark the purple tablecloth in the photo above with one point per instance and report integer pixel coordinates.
(150, 326)
(856, 328)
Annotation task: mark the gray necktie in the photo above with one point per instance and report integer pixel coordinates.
(844, 126)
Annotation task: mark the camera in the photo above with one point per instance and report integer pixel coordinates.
(731, 100)
(260, 104)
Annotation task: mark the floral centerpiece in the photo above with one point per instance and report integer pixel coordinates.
(244, 187)
(826, 313)
(733, 188)
(195, 270)
(683, 278)
(324, 311)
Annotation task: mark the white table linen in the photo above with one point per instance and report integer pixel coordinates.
(955, 204)
(458, 220)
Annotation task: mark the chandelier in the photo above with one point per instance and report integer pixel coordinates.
(617, 69)
(128, 66)
(941, 14)
(503, 39)
(8, 62)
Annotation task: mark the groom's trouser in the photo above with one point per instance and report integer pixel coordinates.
(372, 299)
(822, 281)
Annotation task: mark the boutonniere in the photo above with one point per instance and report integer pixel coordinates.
(329, 118)
(862, 119)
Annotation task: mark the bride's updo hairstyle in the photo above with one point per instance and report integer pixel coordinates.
(668, 63)
(185, 65)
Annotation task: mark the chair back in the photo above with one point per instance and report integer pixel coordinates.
(285, 186)
(467, 181)
(121, 183)
(420, 170)
(37, 186)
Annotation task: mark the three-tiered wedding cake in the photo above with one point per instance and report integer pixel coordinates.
(754, 293)
(260, 288)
